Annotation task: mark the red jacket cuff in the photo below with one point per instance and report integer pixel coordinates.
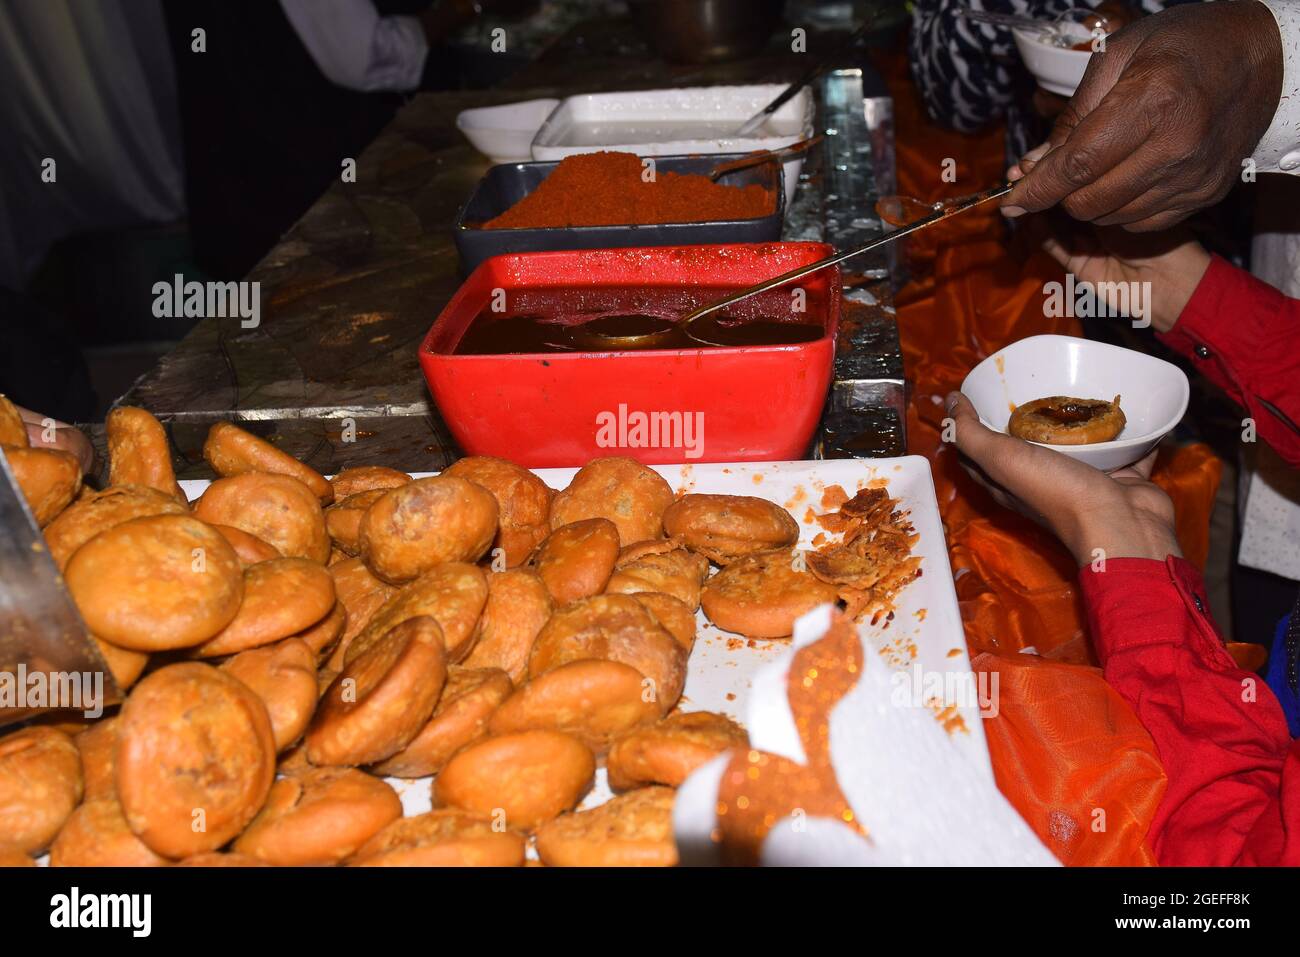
(1229, 315)
(1237, 331)
(1136, 602)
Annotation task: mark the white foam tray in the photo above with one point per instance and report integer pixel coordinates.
(926, 630)
(671, 122)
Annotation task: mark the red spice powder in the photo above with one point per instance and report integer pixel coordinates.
(608, 189)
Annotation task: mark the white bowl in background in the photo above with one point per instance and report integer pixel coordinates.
(504, 134)
(1153, 392)
(1057, 69)
(683, 121)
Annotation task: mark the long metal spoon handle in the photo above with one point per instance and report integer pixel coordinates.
(967, 202)
(764, 156)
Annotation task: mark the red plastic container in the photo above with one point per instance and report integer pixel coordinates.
(717, 404)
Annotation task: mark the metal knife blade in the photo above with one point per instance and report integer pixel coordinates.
(47, 658)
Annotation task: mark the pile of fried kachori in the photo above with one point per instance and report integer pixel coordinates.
(291, 641)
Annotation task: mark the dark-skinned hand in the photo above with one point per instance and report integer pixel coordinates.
(1162, 120)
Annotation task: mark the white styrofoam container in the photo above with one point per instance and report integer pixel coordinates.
(504, 134)
(1057, 69)
(926, 631)
(1154, 393)
(695, 119)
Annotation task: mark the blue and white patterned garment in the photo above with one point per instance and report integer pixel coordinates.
(969, 74)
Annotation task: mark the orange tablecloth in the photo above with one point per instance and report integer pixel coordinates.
(1067, 750)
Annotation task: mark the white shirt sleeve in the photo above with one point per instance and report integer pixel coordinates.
(1279, 149)
(357, 48)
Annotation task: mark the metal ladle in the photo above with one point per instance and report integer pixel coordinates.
(764, 156)
(934, 213)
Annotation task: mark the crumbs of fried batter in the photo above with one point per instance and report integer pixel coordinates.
(949, 717)
(872, 561)
(834, 496)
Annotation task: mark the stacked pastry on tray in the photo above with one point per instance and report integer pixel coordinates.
(290, 642)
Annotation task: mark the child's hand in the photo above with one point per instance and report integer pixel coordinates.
(1097, 515)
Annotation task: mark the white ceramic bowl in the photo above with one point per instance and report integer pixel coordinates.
(504, 134)
(1057, 69)
(1153, 392)
(677, 122)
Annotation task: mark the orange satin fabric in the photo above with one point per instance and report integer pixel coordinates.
(1073, 758)
(1064, 743)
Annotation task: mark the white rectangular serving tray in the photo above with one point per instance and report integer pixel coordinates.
(681, 121)
(926, 630)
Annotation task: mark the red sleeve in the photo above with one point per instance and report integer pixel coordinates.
(1244, 336)
(1233, 794)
